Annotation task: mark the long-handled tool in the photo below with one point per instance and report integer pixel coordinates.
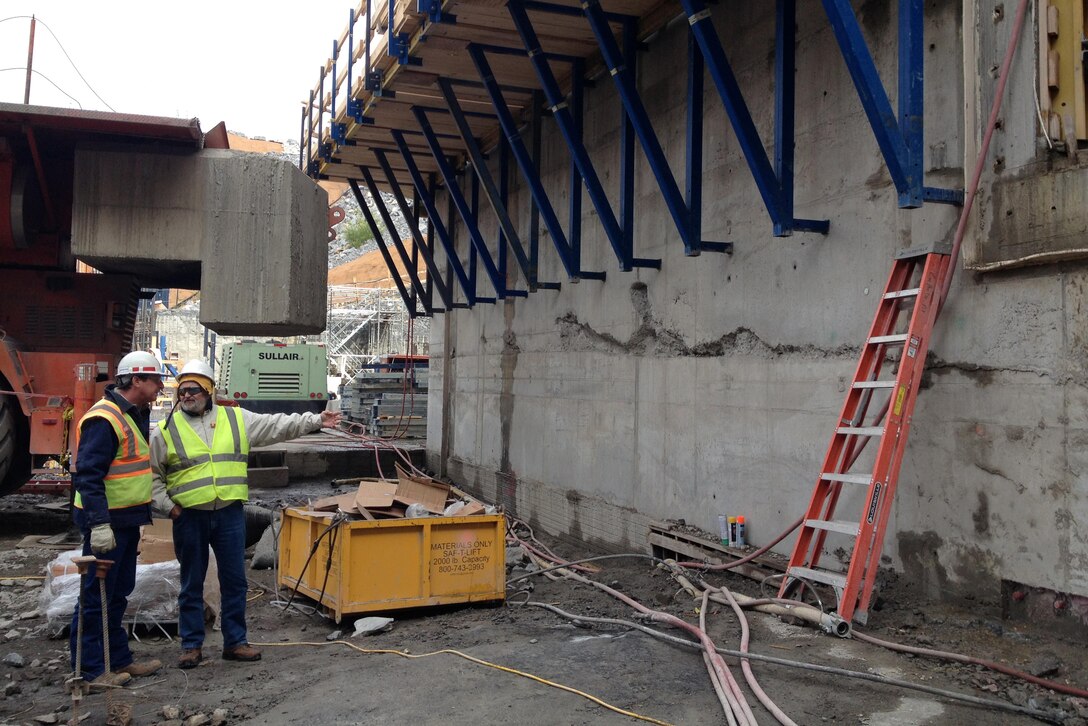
(75, 683)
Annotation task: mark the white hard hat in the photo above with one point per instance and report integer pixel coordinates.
(197, 368)
(139, 363)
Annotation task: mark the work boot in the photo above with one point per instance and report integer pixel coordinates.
(107, 681)
(245, 652)
(190, 658)
(141, 668)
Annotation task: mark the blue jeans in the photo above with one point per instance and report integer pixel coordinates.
(224, 530)
(120, 580)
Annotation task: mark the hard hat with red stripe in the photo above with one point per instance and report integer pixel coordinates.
(139, 363)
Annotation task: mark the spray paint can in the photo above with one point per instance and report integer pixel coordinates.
(732, 531)
(723, 529)
(741, 533)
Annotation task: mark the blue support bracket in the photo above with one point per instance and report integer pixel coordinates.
(387, 219)
(899, 136)
(767, 182)
(557, 104)
(433, 10)
(494, 194)
(526, 164)
(446, 171)
(622, 72)
(409, 301)
(432, 214)
(398, 44)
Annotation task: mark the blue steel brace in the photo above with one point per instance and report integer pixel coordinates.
(397, 43)
(380, 240)
(525, 162)
(355, 106)
(770, 189)
(476, 157)
(623, 76)
(405, 258)
(432, 214)
(567, 127)
(468, 217)
(574, 218)
(899, 137)
(450, 180)
(627, 153)
(406, 211)
(432, 186)
(785, 106)
(338, 131)
(433, 10)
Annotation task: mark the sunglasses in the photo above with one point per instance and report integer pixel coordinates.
(189, 392)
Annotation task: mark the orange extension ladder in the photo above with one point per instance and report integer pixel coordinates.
(898, 390)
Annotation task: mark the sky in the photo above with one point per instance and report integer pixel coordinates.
(248, 63)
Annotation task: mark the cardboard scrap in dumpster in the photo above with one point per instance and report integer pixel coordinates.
(421, 490)
(379, 499)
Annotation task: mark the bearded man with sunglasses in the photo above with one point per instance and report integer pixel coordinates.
(199, 457)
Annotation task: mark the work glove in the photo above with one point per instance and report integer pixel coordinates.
(102, 539)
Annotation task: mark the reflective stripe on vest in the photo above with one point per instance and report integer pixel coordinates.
(128, 482)
(197, 474)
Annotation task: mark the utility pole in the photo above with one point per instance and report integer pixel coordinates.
(29, 60)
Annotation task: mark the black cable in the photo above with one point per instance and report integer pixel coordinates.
(313, 550)
(74, 66)
(39, 73)
(328, 563)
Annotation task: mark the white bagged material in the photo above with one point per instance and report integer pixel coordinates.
(153, 600)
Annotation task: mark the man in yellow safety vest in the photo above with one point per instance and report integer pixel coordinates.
(112, 482)
(198, 463)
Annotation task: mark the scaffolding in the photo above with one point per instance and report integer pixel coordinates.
(365, 323)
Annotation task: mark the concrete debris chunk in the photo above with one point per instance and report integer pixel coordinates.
(7, 583)
(30, 615)
(515, 556)
(1047, 664)
(372, 625)
(36, 663)
(334, 635)
(219, 716)
(46, 718)
(12, 688)
(199, 719)
(171, 713)
(14, 660)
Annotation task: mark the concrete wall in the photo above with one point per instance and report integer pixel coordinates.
(249, 230)
(712, 385)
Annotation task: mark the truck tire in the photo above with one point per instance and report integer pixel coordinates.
(14, 444)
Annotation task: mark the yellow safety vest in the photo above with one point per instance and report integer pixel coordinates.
(198, 475)
(128, 482)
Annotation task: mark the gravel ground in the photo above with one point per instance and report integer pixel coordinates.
(305, 676)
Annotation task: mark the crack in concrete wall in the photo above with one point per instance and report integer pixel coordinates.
(653, 339)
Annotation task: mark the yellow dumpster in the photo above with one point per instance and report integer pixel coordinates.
(393, 563)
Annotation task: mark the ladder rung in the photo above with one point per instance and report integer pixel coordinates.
(897, 338)
(834, 525)
(912, 292)
(861, 430)
(874, 384)
(827, 577)
(847, 478)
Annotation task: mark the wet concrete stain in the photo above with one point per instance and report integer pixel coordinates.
(918, 553)
(509, 362)
(981, 516)
(652, 338)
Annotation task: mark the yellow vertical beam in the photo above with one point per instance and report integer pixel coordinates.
(1064, 29)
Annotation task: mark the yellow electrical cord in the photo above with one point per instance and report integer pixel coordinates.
(496, 666)
(22, 577)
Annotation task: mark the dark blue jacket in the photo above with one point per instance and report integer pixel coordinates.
(97, 448)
